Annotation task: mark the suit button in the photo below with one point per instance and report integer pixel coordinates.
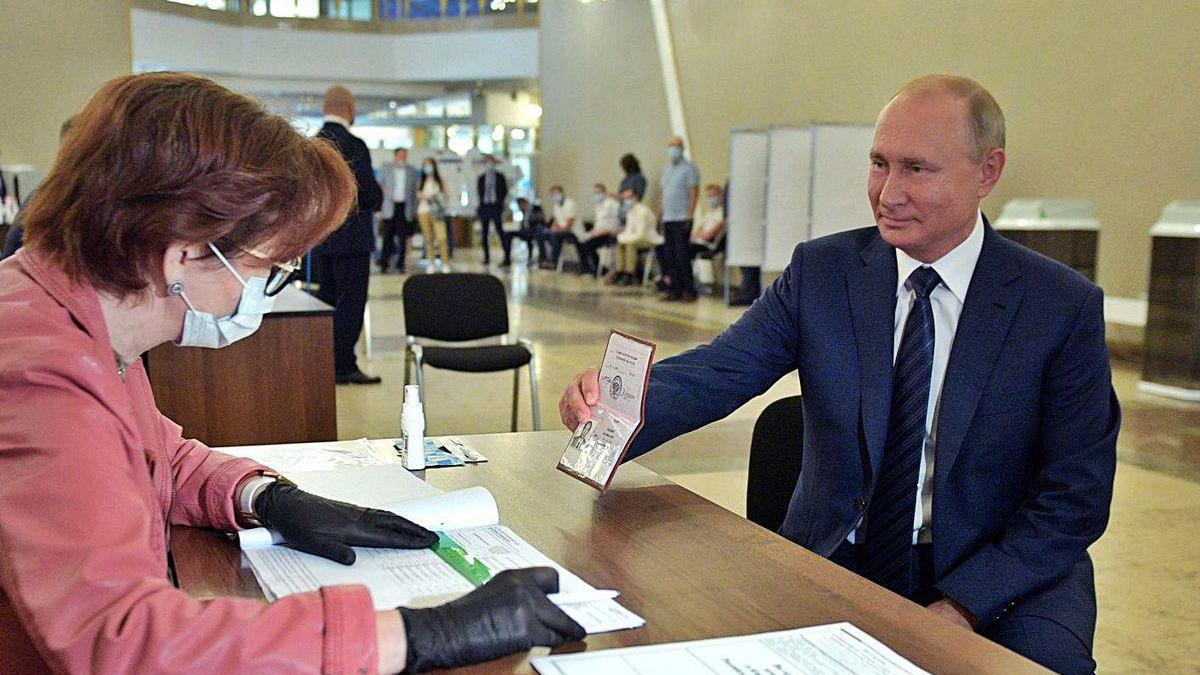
(861, 503)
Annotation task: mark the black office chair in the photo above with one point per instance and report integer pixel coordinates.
(459, 308)
(776, 451)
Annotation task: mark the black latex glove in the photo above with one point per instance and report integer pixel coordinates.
(508, 614)
(327, 528)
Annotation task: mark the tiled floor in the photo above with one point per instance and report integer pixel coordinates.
(1147, 564)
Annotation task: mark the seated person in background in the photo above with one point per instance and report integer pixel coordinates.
(532, 231)
(640, 234)
(12, 240)
(960, 425)
(562, 225)
(604, 232)
(146, 233)
(709, 231)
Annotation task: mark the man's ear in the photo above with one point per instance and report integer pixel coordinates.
(993, 166)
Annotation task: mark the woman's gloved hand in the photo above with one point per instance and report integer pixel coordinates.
(508, 614)
(328, 528)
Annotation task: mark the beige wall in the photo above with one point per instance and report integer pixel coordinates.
(53, 55)
(1101, 97)
(602, 94)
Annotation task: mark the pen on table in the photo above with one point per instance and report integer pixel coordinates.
(580, 597)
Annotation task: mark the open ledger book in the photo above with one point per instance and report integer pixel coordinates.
(472, 546)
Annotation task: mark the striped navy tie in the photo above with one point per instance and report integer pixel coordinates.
(888, 528)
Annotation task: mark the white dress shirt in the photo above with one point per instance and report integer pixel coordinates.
(566, 211)
(955, 268)
(430, 192)
(337, 120)
(399, 182)
(607, 217)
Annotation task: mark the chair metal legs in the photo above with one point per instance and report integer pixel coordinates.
(533, 391)
(650, 258)
(606, 259)
(516, 395)
(367, 350)
(414, 357)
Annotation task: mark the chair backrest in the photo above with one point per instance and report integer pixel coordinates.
(776, 453)
(455, 307)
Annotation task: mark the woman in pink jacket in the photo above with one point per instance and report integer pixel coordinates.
(170, 215)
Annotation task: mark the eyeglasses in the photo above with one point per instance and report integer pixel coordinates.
(281, 273)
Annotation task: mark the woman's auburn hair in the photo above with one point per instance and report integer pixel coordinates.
(161, 158)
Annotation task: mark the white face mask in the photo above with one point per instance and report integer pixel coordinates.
(203, 329)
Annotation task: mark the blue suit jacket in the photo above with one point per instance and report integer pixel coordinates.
(1026, 434)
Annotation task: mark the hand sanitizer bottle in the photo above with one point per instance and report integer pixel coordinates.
(413, 423)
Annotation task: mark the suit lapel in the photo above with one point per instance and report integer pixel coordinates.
(871, 285)
(992, 300)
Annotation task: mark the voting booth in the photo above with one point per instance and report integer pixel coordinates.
(1063, 229)
(792, 184)
(1171, 361)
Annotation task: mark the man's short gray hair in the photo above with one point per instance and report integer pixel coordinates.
(985, 119)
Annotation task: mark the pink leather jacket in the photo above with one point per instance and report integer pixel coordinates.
(92, 476)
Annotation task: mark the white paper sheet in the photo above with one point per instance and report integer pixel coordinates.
(420, 578)
(374, 486)
(294, 457)
(836, 649)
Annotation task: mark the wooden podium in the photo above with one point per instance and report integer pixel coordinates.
(275, 386)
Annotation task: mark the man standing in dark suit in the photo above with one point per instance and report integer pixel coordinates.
(342, 263)
(960, 426)
(399, 181)
(493, 195)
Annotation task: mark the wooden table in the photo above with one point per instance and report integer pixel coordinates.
(275, 386)
(691, 568)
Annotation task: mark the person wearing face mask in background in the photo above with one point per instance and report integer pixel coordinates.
(639, 235)
(606, 224)
(431, 215)
(708, 233)
(400, 182)
(562, 225)
(143, 234)
(532, 232)
(493, 195)
(677, 203)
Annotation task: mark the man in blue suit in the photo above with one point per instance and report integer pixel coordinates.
(959, 420)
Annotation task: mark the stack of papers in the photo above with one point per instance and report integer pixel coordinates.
(467, 518)
(836, 649)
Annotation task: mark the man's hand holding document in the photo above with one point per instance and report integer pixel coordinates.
(608, 412)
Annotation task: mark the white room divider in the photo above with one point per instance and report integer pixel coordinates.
(746, 202)
(788, 185)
